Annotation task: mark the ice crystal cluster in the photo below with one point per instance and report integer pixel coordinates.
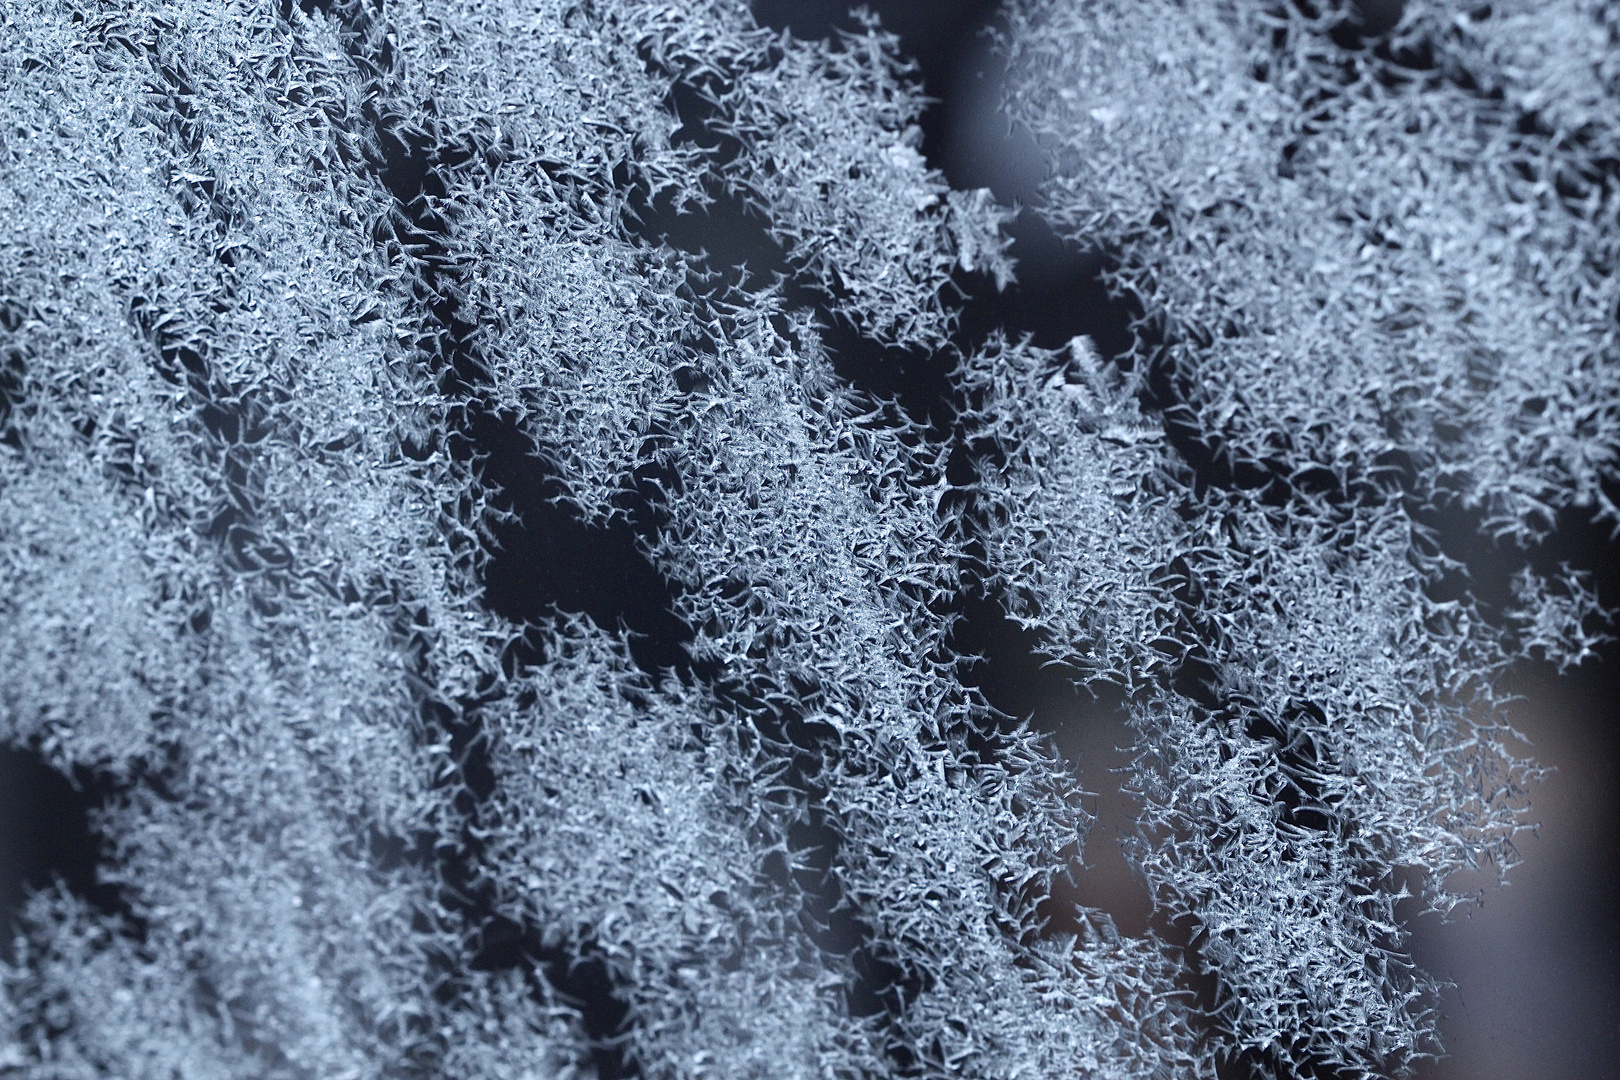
(327, 325)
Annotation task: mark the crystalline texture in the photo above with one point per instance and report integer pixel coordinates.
(309, 308)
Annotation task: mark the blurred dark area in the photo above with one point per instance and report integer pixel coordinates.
(46, 837)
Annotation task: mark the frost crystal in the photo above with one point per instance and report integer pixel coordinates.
(322, 323)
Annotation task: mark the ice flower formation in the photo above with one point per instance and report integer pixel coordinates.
(505, 642)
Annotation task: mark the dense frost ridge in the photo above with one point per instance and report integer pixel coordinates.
(501, 644)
